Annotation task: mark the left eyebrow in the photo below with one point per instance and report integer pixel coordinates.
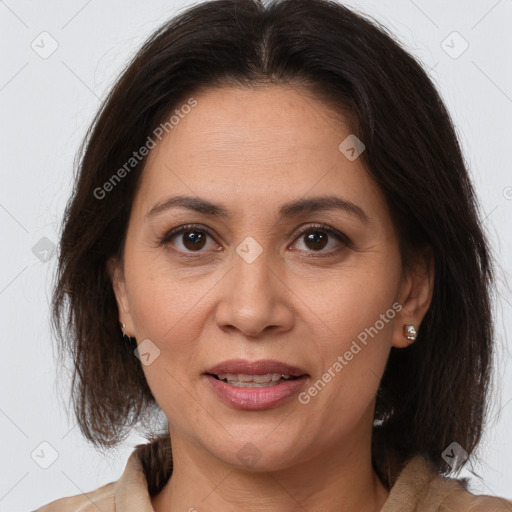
(322, 203)
(290, 209)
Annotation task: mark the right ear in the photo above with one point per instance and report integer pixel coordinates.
(115, 271)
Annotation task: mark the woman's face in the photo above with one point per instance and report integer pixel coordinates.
(252, 169)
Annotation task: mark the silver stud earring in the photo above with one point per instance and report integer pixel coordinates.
(410, 332)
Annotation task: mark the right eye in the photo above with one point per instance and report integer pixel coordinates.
(188, 238)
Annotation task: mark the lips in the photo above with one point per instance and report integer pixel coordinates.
(255, 385)
(261, 367)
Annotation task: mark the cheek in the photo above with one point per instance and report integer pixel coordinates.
(356, 312)
(162, 312)
(165, 309)
(163, 296)
(352, 299)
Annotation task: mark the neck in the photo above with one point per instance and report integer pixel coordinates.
(339, 480)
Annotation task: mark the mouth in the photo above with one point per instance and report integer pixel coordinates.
(253, 385)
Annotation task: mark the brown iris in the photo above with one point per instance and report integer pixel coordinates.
(194, 240)
(317, 240)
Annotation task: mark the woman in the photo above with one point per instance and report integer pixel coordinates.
(274, 241)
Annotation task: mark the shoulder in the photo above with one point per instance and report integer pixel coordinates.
(128, 494)
(420, 487)
(103, 497)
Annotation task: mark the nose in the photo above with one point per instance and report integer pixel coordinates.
(254, 299)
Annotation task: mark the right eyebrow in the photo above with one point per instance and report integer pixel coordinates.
(192, 203)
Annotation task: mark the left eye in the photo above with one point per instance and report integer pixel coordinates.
(316, 239)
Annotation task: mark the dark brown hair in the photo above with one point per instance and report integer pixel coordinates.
(433, 392)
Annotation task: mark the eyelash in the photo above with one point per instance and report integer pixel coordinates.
(303, 230)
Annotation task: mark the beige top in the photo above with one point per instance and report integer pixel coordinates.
(419, 488)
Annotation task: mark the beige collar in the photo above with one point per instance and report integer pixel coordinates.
(131, 490)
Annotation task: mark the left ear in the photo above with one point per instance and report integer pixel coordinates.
(415, 295)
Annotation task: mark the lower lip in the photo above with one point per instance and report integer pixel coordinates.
(256, 398)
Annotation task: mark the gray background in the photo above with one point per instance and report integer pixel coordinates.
(47, 102)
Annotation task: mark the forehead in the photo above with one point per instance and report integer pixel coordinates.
(247, 145)
(261, 120)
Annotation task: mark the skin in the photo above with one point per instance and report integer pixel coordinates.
(252, 150)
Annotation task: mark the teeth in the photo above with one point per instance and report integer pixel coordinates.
(251, 384)
(243, 380)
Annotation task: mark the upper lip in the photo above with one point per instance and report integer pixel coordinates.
(261, 367)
